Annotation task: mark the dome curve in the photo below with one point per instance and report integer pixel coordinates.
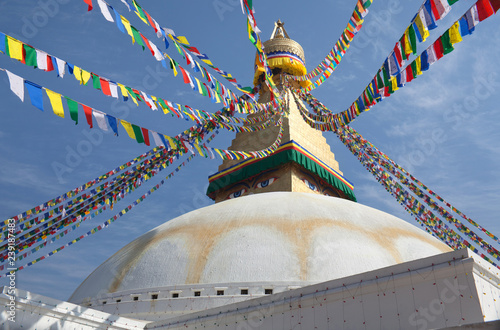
(278, 236)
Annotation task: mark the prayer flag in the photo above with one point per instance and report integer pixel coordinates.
(112, 123)
(55, 101)
(73, 109)
(3, 41)
(128, 128)
(105, 86)
(88, 115)
(31, 57)
(145, 135)
(101, 120)
(138, 134)
(89, 3)
(35, 93)
(105, 10)
(454, 32)
(15, 48)
(119, 23)
(16, 84)
(484, 9)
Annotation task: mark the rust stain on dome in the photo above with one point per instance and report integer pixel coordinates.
(201, 238)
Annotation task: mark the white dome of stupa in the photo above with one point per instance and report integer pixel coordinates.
(277, 237)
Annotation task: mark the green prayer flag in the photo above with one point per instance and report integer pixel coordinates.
(451, 2)
(30, 56)
(137, 37)
(138, 133)
(445, 40)
(204, 90)
(403, 50)
(131, 92)
(96, 82)
(387, 83)
(73, 109)
(413, 39)
(140, 10)
(414, 69)
(380, 82)
(369, 95)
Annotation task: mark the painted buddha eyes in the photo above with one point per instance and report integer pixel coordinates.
(310, 185)
(259, 185)
(237, 194)
(265, 183)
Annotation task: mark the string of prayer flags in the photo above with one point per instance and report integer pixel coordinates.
(110, 88)
(331, 61)
(219, 89)
(164, 33)
(23, 218)
(123, 184)
(253, 36)
(390, 77)
(159, 164)
(103, 120)
(384, 165)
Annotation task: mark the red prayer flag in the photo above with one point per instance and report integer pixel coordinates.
(146, 41)
(495, 4)
(150, 22)
(438, 48)
(145, 135)
(484, 9)
(397, 51)
(409, 73)
(50, 65)
(105, 87)
(88, 114)
(185, 75)
(435, 11)
(208, 89)
(89, 2)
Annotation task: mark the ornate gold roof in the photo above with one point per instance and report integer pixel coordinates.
(280, 41)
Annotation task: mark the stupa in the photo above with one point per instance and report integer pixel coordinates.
(285, 245)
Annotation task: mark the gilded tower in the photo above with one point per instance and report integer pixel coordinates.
(303, 162)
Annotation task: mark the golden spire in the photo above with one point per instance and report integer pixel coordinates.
(303, 162)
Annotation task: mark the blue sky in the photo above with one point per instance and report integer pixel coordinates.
(443, 126)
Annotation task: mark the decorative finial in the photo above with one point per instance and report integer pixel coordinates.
(279, 30)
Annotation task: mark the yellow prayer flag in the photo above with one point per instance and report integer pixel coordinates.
(132, 97)
(123, 90)
(128, 128)
(78, 74)
(169, 139)
(394, 83)
(199, 149)
(424, 32)
(126, 23)
(454, 32)
(85, 77)
(208, 62)
(15, 48)
(165, 109)
(55, 101)
(407, 43)
(199, 86)
(418, 65)
(189, 115)
(182, 40)
(173, 65)
(217, 97)
(81, 75)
